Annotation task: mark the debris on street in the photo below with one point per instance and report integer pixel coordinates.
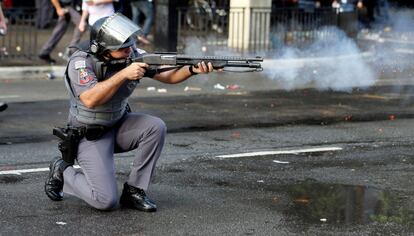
(50, 76)
(235, 135)
(153, 89)
(233, 87)
(219, 86)
(150, 89)
(188, 88)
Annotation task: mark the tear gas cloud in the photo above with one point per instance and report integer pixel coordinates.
(402, 20)
(329, 63)
(333, 61)
(393, 46)
(394, 50)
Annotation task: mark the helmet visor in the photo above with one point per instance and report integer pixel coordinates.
(116, 31)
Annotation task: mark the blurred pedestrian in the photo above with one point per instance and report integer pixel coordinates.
(370, 6)
(3, 27)
(145, 7)
(67, 13)
(93, 10)
(44, 13)
(381, 10)
(3, 23)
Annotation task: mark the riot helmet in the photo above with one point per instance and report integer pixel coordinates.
(112, 33)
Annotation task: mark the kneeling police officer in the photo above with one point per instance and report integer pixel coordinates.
(100, 123)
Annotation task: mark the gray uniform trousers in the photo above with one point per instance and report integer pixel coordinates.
(60, 30)
(44, 13)
(96, 182)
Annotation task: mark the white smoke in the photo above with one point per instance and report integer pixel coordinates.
(332, 62)
(393, 44)
(193, 45)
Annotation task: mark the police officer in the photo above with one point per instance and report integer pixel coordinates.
(98, 98)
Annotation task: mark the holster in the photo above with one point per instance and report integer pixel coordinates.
(71, 136)
(69, 143)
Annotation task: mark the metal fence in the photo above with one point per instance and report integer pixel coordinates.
(243, 30)
(247, 30)
(21, 40)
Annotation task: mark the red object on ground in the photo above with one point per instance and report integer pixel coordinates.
(232, 86)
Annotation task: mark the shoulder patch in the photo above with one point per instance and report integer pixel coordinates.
(80, 65)
(84, 76)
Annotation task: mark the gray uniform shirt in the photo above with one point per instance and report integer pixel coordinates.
(83, 77)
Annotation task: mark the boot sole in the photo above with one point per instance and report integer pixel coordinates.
(127, 204)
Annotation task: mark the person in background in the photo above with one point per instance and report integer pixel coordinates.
(93, 10)
(3, 27)
(370, 6)
(145, 7)
(44, 13)
(67, 13)
(3, 23)
(382, 11)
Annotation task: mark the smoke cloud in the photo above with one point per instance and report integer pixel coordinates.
(393, 45)
(333, 61)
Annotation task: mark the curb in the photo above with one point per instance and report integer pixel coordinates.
(31, 72)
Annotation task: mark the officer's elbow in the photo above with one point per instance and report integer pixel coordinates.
(89, 105)
(87, 102)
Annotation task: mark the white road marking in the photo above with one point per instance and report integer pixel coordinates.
(20, 172)
(280, 152)
(249, 154)
(280, 162)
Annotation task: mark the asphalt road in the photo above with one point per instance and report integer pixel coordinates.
(337, 163)
(363, 186)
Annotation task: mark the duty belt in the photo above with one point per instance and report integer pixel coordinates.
(100, 115)
(93, 132)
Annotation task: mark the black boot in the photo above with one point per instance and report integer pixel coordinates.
(54, 181)
(137, 199)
